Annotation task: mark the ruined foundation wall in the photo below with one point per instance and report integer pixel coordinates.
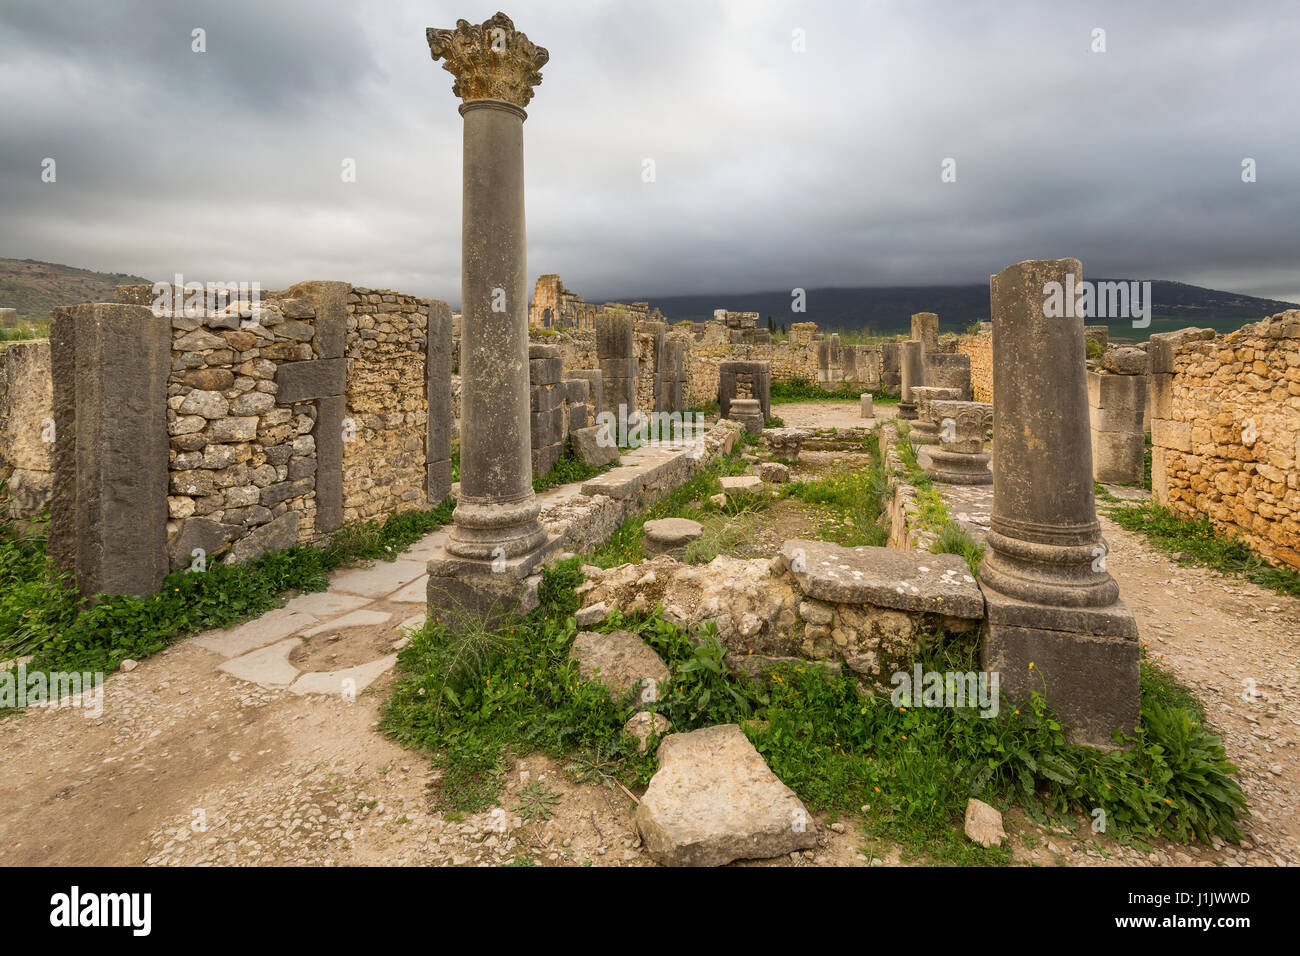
(1210, 395)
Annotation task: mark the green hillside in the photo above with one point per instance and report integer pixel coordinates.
(34, 288)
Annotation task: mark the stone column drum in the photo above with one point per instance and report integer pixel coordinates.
(958, 456)
(925, 328)
(912, 362)
(1051, 603)
(496, 541)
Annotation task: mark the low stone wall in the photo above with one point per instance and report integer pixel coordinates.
(1225, 426)
(26, 427)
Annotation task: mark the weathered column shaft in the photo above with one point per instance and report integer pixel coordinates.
(912, 362)
(1055, 625)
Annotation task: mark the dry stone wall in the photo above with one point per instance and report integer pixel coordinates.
(387, 404)
(1225, 426)
(26, 428)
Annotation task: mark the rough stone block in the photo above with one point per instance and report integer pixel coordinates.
(714, 800)
(1168, 434)
(329, 302)
(545, 371)
(595, 445)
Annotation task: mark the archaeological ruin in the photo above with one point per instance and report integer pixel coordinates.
(676, 478)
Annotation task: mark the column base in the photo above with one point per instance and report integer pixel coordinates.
(959, 468)
(907, 411)
(1085, 663)
(467, 592)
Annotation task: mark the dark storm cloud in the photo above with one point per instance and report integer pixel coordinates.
(774, 168)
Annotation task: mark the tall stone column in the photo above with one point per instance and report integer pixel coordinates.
(912, 361)
(496, 541)
(1055, 621)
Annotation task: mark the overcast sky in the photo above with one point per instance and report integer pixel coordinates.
(774, 168)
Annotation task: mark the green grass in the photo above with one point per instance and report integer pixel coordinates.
(805, 390)
(836, 747)
(690, 500)
(856, 498)
(1198, 539)
(44, 616)
(569, 468)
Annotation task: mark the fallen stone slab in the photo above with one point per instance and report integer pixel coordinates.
(734, 483)
(620, 661)
(714, 800)
(884, 577)
(271, 626)
(774, 473)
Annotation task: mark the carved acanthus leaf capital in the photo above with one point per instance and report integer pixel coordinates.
(491, 60)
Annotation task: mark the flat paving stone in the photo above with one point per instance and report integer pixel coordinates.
(268, 666)
(382, 579)
(332, 682)
(271, 626)
(354, 619)
(326, 603)
(417, 592)
(884, 577)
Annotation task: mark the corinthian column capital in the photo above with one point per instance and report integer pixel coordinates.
(490, 61)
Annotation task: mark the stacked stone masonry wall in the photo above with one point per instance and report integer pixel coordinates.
(1210, 396)
(387, 405)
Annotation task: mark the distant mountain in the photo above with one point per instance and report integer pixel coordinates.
(888, 309)
(34, 288)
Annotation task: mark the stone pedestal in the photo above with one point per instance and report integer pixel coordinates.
(496, 542)
(958, 457)
(1056, 624)
(739, 379)
(748, 412)
(868, 409)
(912, 362)
(925, 430)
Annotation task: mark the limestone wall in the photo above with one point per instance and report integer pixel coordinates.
(26, 427)
(1225, 425)
(243, 456)
(387, 408)
(980, 349)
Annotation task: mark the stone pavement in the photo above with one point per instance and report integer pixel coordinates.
(339, 641)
